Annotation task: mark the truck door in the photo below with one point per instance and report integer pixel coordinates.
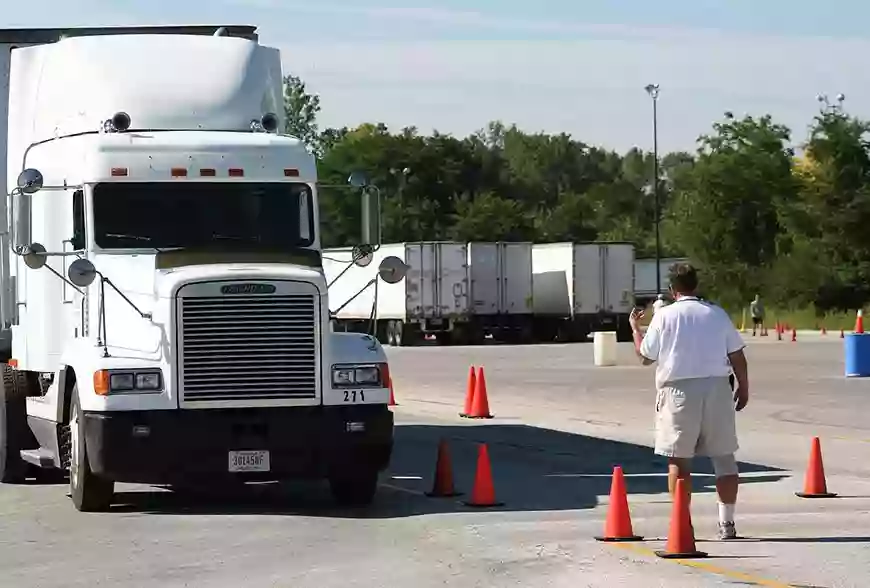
(73, 302)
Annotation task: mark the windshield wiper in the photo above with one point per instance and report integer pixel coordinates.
(125, 236)
(219, 237)
(140, 238)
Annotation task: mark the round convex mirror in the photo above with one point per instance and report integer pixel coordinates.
(81, 273)
(35, 257)
(392, 270)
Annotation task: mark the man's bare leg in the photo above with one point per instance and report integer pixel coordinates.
(727, 484)
(679, 467)
(726, 488)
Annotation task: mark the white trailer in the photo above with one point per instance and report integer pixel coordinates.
(645, 290)
(579, 288)
(500, 275)
(169, 317)
(433, 298)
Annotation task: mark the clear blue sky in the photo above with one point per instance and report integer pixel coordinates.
(552, 65)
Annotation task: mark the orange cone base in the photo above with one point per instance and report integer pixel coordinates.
(488, 505)
(445, 495)
(468, 416)
(690, 555)
(619, 539)
(820, 495)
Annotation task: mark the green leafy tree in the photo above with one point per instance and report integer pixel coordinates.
(725, 215)
(300, 112)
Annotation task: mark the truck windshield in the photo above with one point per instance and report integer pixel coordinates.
(201, 214)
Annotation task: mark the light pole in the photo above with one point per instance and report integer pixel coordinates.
(653, 91)
(838, 107)
(403, 180)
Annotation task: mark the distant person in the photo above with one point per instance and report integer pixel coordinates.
(756, 311)
(696, 347)
(659, 303)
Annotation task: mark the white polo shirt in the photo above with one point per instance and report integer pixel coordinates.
(690, 339)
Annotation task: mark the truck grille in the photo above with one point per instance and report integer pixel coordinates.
(248, 347)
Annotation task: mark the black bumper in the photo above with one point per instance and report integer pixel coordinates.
(173, 446)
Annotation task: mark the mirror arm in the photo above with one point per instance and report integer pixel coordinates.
(344, 271)
(352, 298)
(25, 250)
(353, 260)
(144, 315)
(62, 277)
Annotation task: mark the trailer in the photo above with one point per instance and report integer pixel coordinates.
(169, 317)
(579, 288)
(500, 274)
(645, 290)
(432, 300)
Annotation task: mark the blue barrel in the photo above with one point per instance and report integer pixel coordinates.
(857, 348)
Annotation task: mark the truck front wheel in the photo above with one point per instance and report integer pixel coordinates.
(89, 493)
(13, 429)
(354, 489)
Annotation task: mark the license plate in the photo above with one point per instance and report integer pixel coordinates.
(249, 461)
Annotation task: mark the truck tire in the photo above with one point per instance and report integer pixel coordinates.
(14, 433)
(89, 493)
(354, 489)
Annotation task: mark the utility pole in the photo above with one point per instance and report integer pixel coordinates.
(653, 91)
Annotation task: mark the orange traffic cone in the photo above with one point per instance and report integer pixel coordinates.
(814, 481)
(480, 404)
(793, 335)
(824, 330)
(392, 394)
(469, 393)
(483, 493)
(442, 486)
(617, 527)
(859, 322)
(681, 535)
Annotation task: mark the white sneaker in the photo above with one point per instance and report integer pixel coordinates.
(727, 531)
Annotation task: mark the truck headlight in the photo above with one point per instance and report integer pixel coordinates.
(127, 382)
(356, 376)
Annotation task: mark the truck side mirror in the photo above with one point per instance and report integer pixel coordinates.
(30, 181)
(371, 208)
(392, 270)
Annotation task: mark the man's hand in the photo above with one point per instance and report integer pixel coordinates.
(634, 318)
(741, 397)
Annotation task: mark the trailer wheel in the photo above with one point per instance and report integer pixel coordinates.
(398, 334)
(14, 433)
(89, 493)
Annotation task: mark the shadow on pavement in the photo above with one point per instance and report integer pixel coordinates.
(812, 539)
(533, 469)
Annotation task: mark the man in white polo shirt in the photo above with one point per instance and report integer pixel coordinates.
(696, 347)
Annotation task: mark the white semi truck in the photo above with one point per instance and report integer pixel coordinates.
(162, 275)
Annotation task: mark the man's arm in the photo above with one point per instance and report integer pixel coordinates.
(638, 343)
(646, 347)
(741, 374)
(737, 357)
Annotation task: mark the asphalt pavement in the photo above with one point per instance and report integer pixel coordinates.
(560, 425)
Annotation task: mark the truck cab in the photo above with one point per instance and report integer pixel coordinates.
(170, 319)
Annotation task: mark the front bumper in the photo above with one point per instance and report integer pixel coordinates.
(173, 446)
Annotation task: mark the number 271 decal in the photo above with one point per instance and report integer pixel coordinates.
(354, 396)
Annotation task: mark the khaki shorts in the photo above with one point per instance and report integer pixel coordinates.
(696, 417)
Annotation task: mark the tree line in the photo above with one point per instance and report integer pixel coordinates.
(752, 214)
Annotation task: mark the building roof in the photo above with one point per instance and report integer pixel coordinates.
(38, 36)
